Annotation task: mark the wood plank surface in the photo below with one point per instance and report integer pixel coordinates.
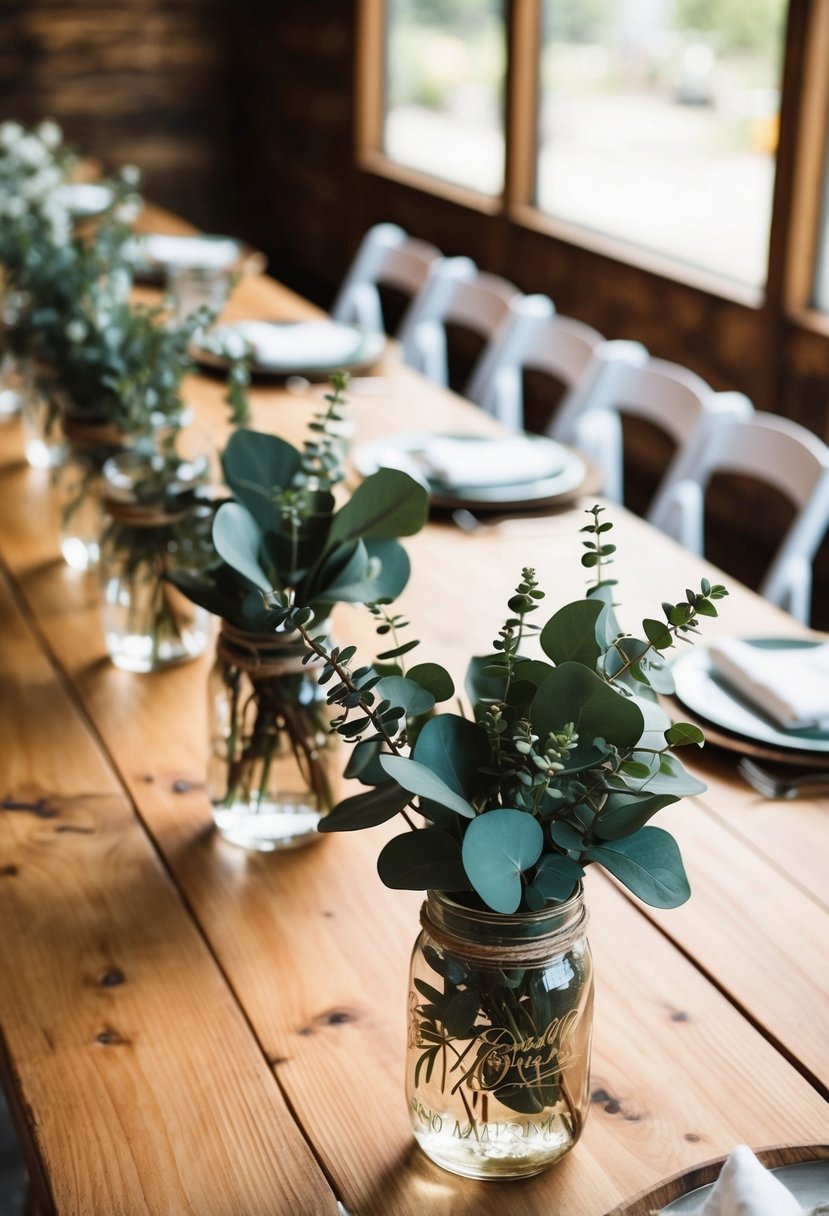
(316, 949)
(139, 1085)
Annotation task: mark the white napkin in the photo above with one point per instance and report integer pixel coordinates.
(745, 1188)
(208, 253)
(464, 463)
(791, 686)
(306, 344)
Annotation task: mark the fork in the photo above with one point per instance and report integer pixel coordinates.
(805, 785)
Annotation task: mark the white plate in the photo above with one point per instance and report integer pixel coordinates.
(85, 199)
(808, 1181)
(567, 472)
(297, 348)
(157, 253)
(707, 696)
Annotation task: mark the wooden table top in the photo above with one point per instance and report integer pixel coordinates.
(187, 1028)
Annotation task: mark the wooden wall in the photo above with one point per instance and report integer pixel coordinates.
(141, 81)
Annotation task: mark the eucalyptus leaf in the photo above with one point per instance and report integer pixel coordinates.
(237, 538)
(648, 864)
(427, 859)
(411, 696)
(573, 693)
(681, 734)
(434, 678)
(570, 635)
(497, 848)
(256, 466)
(388, 503)
(623, 814)
(455, 750)
(365, 810)
(418, 779)
(555, 877)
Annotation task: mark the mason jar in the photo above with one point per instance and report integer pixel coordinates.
(270, 751)
(89, 445)
(43, 402)
(500, 1023)
(148, 624)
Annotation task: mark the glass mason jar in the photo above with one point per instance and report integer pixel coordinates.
(271, 749)
(500, 1023)
(43, 438)
(80, 482)
(148, 623)
(11, 383)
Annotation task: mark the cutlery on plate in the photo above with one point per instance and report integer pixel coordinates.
(804, 785)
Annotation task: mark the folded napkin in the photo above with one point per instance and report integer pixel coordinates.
(208, 253)
(745, 1188)
(465, 463)
(305, 344)
(791, 685)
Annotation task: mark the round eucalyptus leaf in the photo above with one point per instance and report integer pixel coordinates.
(427, 859)
(497, 847)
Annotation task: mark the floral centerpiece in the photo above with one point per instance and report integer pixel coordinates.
(561, 762)
(287, 539)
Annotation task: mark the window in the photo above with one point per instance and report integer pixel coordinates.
(658, 125)
(445, 78)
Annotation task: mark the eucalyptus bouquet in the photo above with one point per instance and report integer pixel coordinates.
(285, 543)
(561, 762)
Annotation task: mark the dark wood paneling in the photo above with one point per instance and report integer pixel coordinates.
(142, 81)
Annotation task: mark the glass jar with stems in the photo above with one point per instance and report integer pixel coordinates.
(271, 750)
(500, 1022)
(155, 523)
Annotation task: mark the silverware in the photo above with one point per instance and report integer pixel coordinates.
(525, 525)
(804, 785)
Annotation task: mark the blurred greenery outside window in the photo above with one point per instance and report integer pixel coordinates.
(658, 125)
(657, 119)
(445, 72)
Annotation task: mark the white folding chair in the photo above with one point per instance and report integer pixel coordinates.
(457, 293)
(386, 257)
(542, 341)
(622, 379)
(776, 451)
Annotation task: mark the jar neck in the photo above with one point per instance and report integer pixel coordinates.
(521, 938)
(265, 655)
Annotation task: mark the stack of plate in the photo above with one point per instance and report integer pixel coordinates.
(737, 724)
(313, 349)
(554, 474)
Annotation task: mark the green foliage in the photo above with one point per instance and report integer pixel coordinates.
(283, 548)
(562, 763)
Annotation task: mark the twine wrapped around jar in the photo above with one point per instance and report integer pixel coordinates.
(260, 655)
(527, 953)
(84, 436)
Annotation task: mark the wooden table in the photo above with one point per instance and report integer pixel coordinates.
(187, 1028)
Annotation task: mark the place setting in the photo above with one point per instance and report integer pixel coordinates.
(278, 349)
(790, 1180)
(766, 698)
(477, 473)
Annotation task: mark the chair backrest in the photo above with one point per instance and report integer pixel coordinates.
(780, 453)
(538, 340)
(455, 292)
(386, 257)
(622, 379)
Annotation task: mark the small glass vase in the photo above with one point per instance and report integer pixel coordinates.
(11, 384)
(271, 750)
(148, 623)
(43, 438)
(500, 1023)
(80, 482)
